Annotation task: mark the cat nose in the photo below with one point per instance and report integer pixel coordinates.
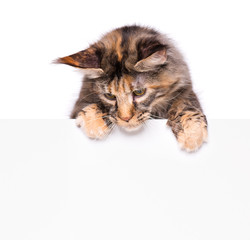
(126, 118)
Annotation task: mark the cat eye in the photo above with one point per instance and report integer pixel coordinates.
(139, 92)
(110, 96)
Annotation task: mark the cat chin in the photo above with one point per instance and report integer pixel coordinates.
(131, 128)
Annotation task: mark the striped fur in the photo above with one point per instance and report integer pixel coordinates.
(136, 60)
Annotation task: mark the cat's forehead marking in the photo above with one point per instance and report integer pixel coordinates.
(127, 84)
(118, 47)
(122, 85)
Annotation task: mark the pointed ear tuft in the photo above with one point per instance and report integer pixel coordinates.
(151, 54)
(88, 61)
(89, 58)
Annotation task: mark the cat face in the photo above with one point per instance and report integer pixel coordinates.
(132, 98)
(128, 100)
(125, 74)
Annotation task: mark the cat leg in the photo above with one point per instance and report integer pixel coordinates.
(188, 122)
(93, 122)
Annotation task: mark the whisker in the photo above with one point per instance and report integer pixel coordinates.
(162, 105)
(87, 96)
(111, 128)
(176, 95)
(107, 131)
(94, 119)
(157, 117)
(145, 124)
(101, 131)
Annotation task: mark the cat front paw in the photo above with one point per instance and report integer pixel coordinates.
(193, 135)
(91, 122)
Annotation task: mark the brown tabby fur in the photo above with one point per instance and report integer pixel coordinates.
(136, 58)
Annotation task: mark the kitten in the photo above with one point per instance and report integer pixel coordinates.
(133, 74)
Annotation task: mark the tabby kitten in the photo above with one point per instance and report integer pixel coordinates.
(131, 75)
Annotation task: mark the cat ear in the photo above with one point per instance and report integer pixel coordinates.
(88, 61)
(151, 55)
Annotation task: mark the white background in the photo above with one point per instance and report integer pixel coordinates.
(56, 184)
(214, 37)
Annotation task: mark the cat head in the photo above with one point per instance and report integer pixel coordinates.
(125, 73)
